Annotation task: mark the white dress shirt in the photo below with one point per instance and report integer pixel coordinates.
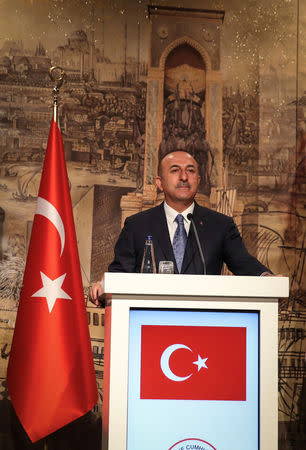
(171, 215)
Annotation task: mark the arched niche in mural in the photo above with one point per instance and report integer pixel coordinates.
(184, 110)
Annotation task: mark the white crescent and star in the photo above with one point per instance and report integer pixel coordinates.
(52, 289)
(164, 362)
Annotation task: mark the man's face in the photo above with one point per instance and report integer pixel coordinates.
(178, 179)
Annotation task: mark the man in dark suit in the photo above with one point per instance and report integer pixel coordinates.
(178, 177)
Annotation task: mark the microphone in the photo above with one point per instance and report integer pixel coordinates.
(190, 217)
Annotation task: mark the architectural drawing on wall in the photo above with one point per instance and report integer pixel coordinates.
(225, 89)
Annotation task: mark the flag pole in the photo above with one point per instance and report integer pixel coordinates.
(58, 76)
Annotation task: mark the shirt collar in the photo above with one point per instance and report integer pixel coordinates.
(172, 213)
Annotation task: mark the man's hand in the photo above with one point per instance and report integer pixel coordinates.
(95, 291)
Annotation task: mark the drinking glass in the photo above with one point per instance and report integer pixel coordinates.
(166, 267)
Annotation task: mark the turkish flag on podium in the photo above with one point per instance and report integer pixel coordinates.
(193, 362)
(51, 377)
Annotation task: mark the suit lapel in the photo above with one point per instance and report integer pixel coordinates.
(191, 247)
(162, 235)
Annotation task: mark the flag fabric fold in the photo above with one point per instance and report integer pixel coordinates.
(51, 377)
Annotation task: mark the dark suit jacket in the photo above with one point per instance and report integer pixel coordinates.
(218, 234)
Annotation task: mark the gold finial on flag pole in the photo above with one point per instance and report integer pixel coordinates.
(58, 76)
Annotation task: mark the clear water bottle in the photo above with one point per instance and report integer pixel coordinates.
(148, 261)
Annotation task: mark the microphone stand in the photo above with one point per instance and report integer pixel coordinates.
(190, 217)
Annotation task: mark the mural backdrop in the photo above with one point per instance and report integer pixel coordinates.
(228, 85)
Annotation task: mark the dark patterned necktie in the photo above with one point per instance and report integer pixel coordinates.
(179, 241)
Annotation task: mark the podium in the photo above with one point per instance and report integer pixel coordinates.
(191, 362)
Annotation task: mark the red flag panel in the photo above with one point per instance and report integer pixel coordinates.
(193, 362)
(51, 377)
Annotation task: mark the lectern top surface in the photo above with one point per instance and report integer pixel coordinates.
(195, 285)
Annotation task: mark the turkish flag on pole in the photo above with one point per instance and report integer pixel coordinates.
(51, 377)
(193, 362)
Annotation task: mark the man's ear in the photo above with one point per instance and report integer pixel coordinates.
(158, 183)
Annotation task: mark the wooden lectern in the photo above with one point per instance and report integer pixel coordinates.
(191, 362)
